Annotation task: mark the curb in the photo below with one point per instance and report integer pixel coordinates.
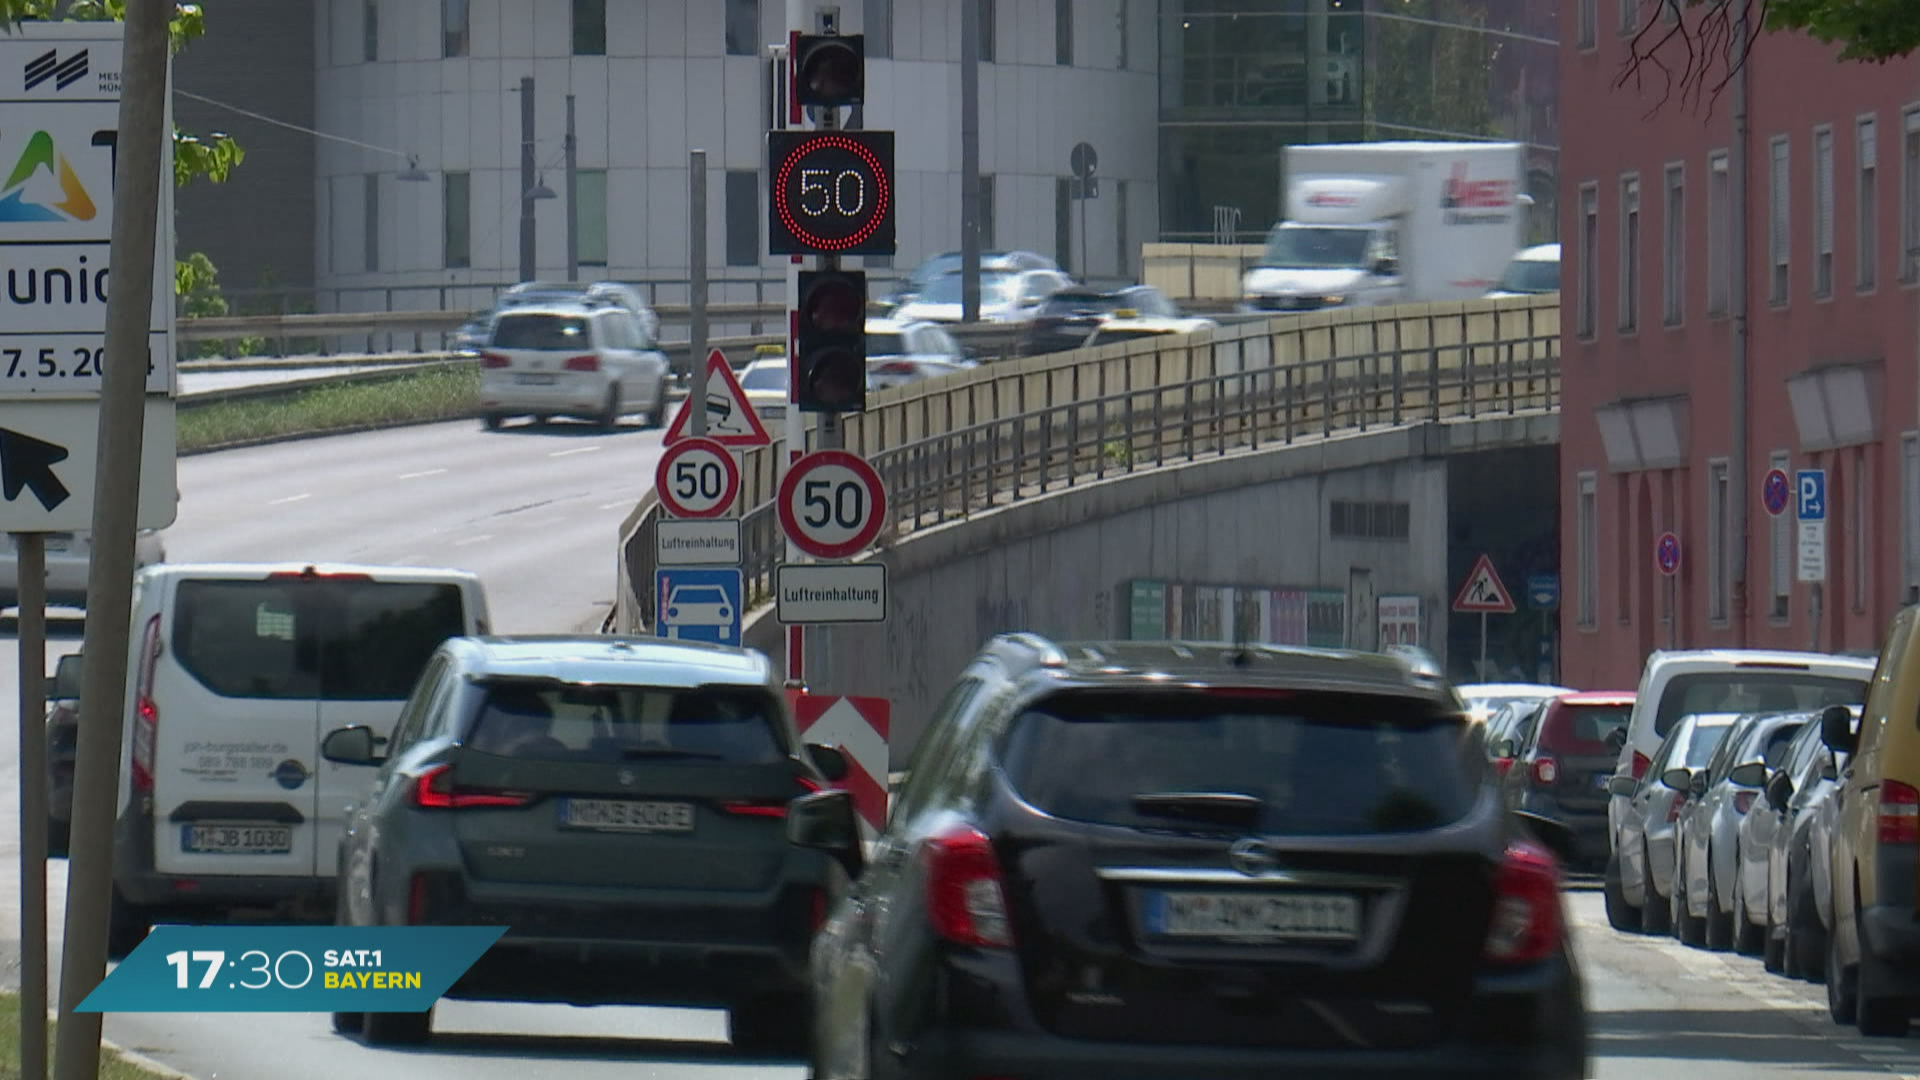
(300, 436)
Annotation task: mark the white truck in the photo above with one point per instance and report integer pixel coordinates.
(1391, 223)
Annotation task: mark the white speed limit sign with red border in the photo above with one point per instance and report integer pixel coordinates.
(832, 504)
(697, 478)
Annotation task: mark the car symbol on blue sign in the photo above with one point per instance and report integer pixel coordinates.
(698, 605)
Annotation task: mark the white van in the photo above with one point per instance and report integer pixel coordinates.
(236, 671)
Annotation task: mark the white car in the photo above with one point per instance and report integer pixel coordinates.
(1533, 272)
(1005, 296)
(903, 352)
(591, 360)
(1129, 325)
(765, 383)
(69, 560)
(698, 605)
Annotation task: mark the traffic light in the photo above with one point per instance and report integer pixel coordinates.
(830, 349)
(830, 70)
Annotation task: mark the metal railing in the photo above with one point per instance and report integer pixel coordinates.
(952, 448)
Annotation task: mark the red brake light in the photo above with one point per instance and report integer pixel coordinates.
(492, 360)
(1545, 772)
(1673, 808)
(583, 363)
(1743, 801)
(1641, 763)
(1501, 766)
(966, 899)
(434, 790)
(1526, 924)
(1899, 813)
(146, 714)
(773, 808)
(312, 573)
(894, 367)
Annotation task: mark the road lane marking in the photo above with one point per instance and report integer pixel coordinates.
(623, 503)
(291, 499)
(575, 450)
(473, 540)
(418, 475)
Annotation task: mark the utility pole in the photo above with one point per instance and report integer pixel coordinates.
(573, 198)
(970, 161)
(31, 573)
(136, 213)
(697, 291)
(527, 269)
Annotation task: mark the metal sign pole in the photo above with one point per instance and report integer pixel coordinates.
(32, 576)
(696, 294)
(1483, 645)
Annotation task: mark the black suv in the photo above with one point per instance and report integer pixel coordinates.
(1153, 859)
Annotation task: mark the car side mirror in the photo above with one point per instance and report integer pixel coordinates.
(66, 679)
(1836, 729)
(1386, 267)
(830, 760)
(1698, 785)
(1779, 790)
(355, 745)
(1753, 774)
(1623, 786)
(825, 821)
(1829, 770)
(1556, 837)
(1503, 749)
(1678, 779)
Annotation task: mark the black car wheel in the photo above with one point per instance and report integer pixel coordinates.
(1717, 926)
(1841, 1000)
(397, 1029)
(127, 926)
(1806, 939)
(610, 419)
(492, 421)
(1748, 937)
(1620, 914)
(1656, 915)
(781, 1026)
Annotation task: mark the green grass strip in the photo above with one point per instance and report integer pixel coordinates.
(112, 1065)
(445, 393)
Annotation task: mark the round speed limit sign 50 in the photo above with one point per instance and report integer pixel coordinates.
(832, 504)
(697, 478)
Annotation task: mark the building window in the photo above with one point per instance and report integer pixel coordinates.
(370, 239)
(1910, 515)
(1063, 223)
(1629, 254)
(589, 27)
(1349, 519)
(987, 25)
(370, 32)
(590, 217)
(878, 29)
(1910, 196)
(1629, 16)
(1673, 282)
(1719, 236)
(1823, 212)
(743, 27)
(456, 31)
(456, 228)
(1779, 239)
(1121, 241)
(1858, 528)
(1586, 601)
(1783, 549)
(743, 217)
(1589, 23)
(1063, 32)
(986, 212)
(1586, 315)
(1867, 204)
(1717, 582)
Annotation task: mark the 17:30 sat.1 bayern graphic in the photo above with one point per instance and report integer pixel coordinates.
(67, 363)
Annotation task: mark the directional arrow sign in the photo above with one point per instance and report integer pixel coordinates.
(27, 462)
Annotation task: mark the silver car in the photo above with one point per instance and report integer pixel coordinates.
(69, 557)
(1708, 844)
(1645, 855)
(587, 360)
(1796, 938)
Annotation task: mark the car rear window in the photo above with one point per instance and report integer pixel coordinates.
(292, 639)
(1700, 748)
(532, 331)
(885, 344)
(1320, 764)
(1583, 729)
(547, 721)
(1752, 691)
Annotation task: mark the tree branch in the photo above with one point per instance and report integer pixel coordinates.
(1708, 49)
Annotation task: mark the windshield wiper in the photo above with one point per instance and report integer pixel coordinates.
(663, 753)
(1222, 807)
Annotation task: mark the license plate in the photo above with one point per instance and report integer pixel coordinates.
(536, 380)
(1255, 916)
(773, 412)
(617, 815)
(1603, 780)
(236, 838)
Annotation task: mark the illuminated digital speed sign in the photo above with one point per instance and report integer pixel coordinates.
(830, 193)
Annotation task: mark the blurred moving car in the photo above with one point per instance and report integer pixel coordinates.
(1562, 762)
(618, 804)
(580, 292)
(1639, 876)
(589, 360)
(1507, 729)
(69, 557)
(903, 352)
(1129, 325)
(1281, 865)
(950, 262)
(1067, 318)
(472, 335)
(1006, 296)
(765, 383)
(1708, 841)
(63, 743)
(1533, 272)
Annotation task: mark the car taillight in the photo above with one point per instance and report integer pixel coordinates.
(1743, 801)
(312, 573)
(1502, 765)
(1673, 808)
(966, 901)
(1899, 813)
(774, 808)
(1641, 763)
(434, 790)
(583, 363)
(1526, 923)
(1545, 772)
(894, 367)
(146, 714)
(492, 360)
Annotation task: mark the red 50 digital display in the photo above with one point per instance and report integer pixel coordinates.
(830, 193)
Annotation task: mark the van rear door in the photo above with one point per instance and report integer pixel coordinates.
(224, 727)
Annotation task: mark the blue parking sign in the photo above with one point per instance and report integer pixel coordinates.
(698, 604)
(1812, 499)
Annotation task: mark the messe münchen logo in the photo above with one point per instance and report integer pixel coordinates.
(44, 187)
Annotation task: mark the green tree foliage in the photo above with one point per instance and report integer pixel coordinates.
(1870, 30)
(1431, 78)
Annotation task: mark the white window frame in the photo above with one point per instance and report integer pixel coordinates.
(1822, 212)
(1910, 516)
(1910, 194)
(1673, 240)
(1866, 203)
(1780, 219)
(1587, 299)
(1718, 498)
(1588, 30)
(1859, 491)
(1631, 252)
(1719, 237)
(1629, 16)
(1781, 563)
(1587, 599)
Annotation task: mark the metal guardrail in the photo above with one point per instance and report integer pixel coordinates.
(951, 448)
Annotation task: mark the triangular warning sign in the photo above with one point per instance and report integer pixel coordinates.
(731, 421)
(1484, 592)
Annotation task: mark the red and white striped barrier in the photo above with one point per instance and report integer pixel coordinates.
(859, 727)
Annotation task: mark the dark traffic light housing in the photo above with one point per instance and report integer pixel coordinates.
(830, 348)
(830, 70)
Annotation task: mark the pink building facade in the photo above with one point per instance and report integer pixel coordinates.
(1741, 293)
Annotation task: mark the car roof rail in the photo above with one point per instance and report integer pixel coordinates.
(1026, 649)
